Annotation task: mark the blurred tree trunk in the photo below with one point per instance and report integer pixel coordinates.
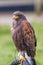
(38, 6)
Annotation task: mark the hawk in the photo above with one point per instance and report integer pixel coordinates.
(23, 34)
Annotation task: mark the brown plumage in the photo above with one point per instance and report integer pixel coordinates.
(23, 34)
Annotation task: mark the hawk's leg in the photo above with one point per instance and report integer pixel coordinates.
(21, 54)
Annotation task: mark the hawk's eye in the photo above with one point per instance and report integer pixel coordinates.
(19, 15)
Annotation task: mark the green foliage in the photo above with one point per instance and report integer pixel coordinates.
(8, 52)
(4, 29)
(38, 27)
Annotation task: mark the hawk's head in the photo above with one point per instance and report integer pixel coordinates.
(18, 15)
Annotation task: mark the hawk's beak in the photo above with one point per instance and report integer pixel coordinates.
(15, 17)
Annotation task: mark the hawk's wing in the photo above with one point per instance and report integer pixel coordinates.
(29, 38)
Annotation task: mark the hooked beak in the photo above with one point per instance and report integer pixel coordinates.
(15, 17)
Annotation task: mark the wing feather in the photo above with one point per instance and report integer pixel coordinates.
(29, 38)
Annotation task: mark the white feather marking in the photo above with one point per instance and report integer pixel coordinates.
(21, 54)
(28, 59)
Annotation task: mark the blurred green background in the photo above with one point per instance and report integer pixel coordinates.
(8, 52)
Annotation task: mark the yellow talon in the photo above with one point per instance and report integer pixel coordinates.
(20, 64)
(23, 59)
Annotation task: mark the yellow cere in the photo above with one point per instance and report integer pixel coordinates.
(15, 17)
